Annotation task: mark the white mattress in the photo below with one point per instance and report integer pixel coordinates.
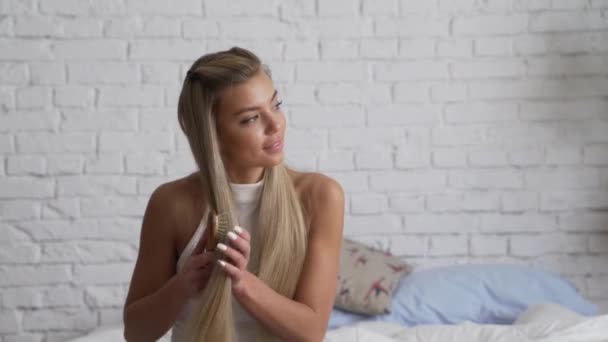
(110, 333)
(543, 322)
(540, 323)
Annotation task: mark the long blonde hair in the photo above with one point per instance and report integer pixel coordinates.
(280, 242)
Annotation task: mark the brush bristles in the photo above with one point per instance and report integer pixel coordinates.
(221, 222)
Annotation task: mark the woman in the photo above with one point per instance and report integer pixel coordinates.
(279, 274)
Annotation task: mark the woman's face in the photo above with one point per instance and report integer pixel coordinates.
(250, 122)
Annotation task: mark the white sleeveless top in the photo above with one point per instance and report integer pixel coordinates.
(246, 198)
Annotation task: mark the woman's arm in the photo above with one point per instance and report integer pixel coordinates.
(304, 318)
(149, 318)
(154, 297)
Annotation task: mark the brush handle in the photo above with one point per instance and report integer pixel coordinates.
(212, 228)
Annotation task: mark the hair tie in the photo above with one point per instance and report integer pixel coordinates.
(191, 75)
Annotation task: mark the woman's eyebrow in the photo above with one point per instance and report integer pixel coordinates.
(246, 109)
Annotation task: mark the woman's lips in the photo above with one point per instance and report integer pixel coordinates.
(275, 147)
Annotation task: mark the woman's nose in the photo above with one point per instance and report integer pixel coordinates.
(274, 124)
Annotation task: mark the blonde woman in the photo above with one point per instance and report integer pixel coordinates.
(278, 276)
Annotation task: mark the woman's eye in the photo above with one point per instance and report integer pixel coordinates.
(278, 105)
(251, 119)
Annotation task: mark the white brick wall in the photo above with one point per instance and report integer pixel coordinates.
(462, 130)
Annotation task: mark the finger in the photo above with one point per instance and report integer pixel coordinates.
(239, 244)
(203, 280)
(204, 269)
(198, 262)
(230, 269)
(203, 259)
(237, 258)
(242, 232)
(205, 274)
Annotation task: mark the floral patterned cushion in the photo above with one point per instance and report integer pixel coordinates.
(367, 278)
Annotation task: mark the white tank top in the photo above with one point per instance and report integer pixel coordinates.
(246, 198)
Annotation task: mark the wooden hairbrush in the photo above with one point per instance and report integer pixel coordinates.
(218, 229)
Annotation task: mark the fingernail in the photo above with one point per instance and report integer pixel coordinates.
(222, 247)
(238, 229)
(222, 263)
(232, 236)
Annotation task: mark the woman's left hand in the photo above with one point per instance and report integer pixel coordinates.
(237, 251)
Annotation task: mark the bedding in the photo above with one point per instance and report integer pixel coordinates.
(367, 278)
(111, 333)
(544, 322)
(483, 293)
(464, 303)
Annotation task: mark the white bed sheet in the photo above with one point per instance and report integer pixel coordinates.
(540, 323)
(111, 333)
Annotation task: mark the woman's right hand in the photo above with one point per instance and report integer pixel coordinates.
(193, 277)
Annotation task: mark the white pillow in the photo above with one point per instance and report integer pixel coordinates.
(111, 333)
(103, 334)
(544, 318)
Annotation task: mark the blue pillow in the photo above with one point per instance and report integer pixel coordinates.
(340, 317)
(486, 294)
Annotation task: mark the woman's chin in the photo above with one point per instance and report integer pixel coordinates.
(275, 159)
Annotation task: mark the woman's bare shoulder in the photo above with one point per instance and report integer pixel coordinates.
(312, 185)
(182, 199)
(178, 189)
(311, 181)
(323, 201)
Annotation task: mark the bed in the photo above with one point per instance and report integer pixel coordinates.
(541, 322)
(501, 303)
(546, 322)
